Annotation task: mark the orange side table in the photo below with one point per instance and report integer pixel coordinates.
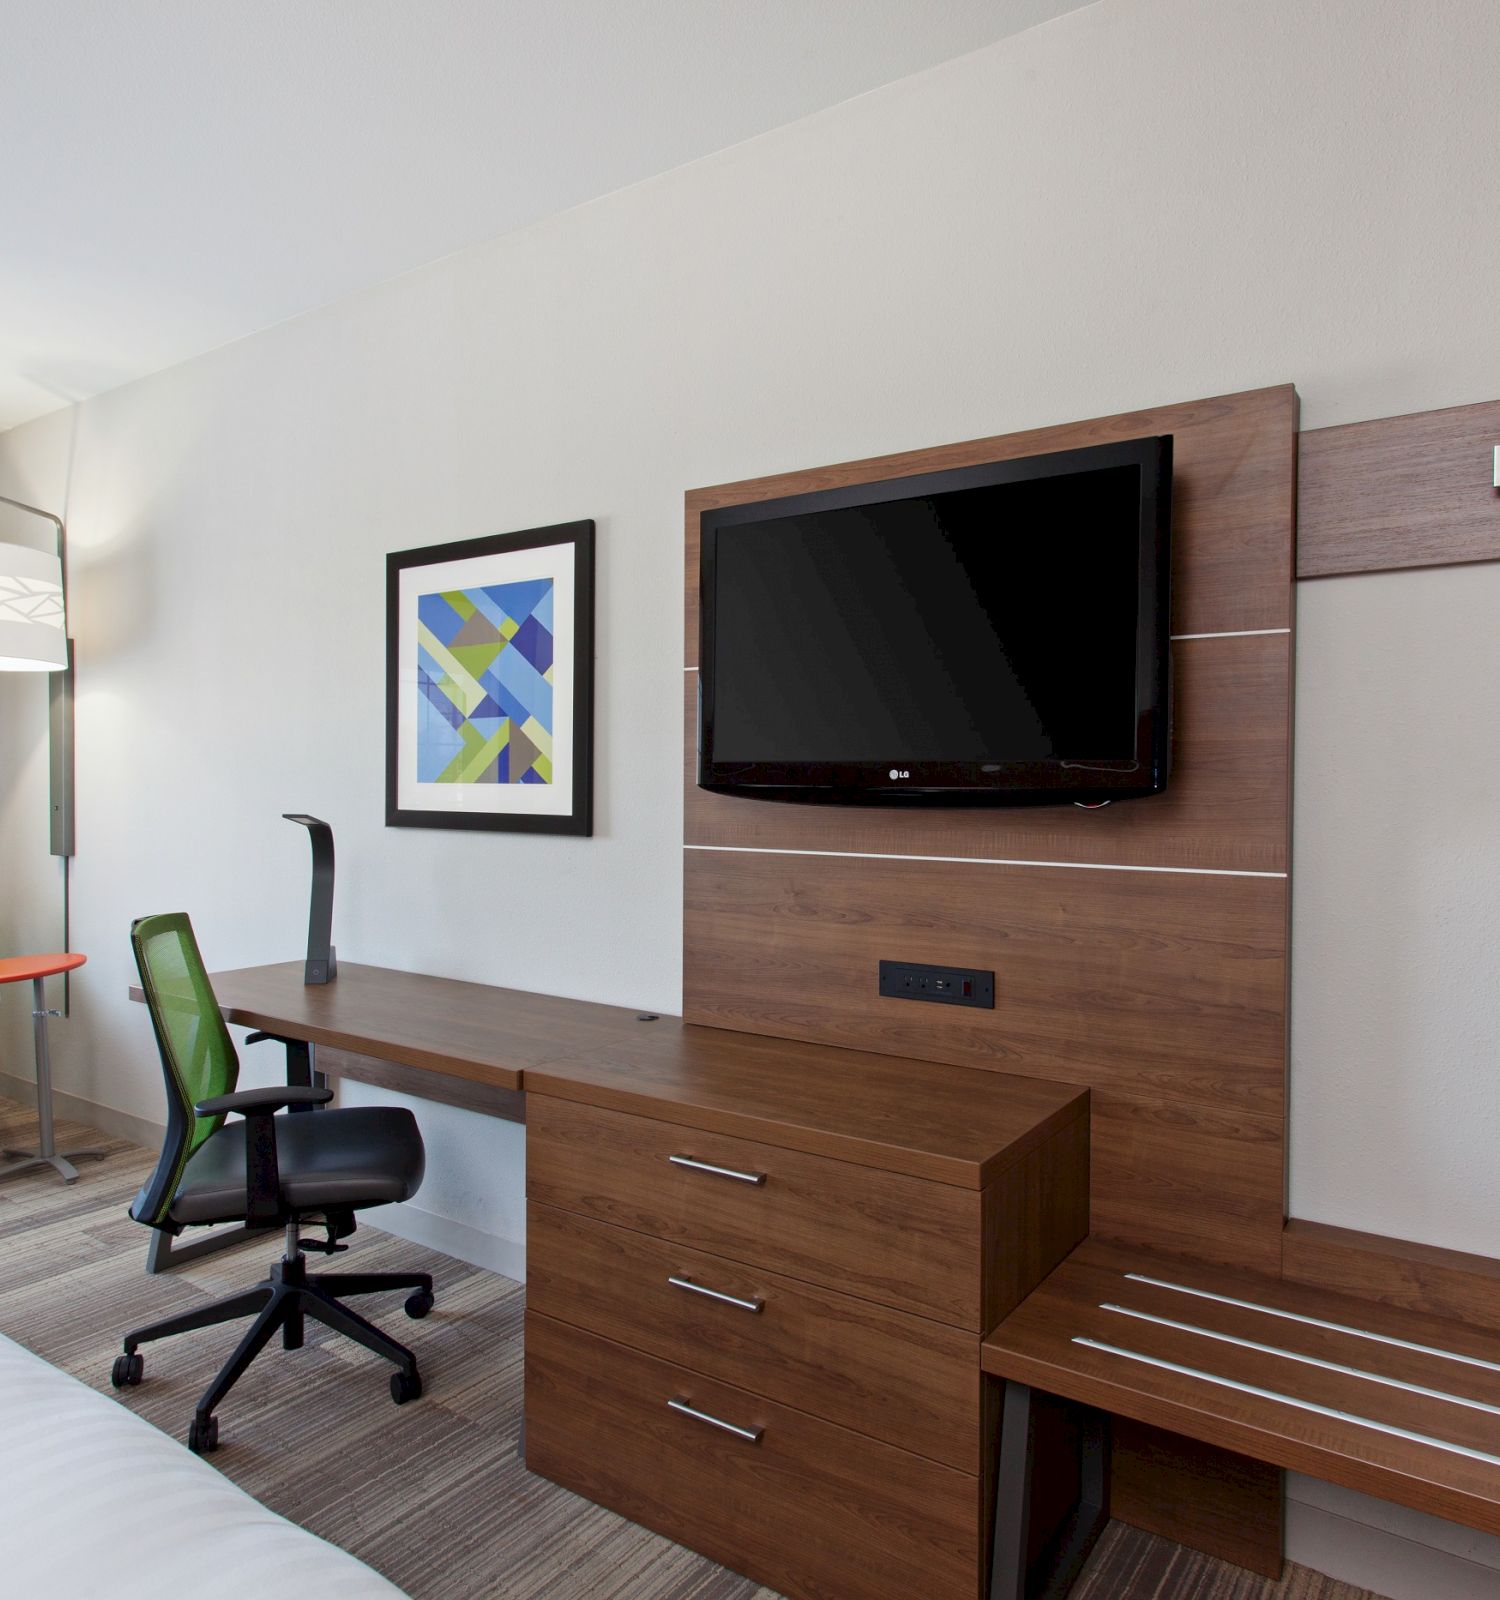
(15, 969)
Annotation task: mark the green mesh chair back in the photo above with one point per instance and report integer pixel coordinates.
(197, 1055)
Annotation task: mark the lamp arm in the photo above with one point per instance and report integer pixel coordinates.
(36, 511)
(56, 521)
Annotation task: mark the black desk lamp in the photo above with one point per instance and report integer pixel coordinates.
(322, 960)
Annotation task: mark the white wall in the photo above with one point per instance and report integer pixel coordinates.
(1142, 202)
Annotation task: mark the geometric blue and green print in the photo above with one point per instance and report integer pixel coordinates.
(484, 684)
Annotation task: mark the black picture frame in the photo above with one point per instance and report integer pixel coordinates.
(576, 643)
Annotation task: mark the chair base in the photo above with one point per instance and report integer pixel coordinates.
(61, 1162)
(282, 1304)
(163, 1254)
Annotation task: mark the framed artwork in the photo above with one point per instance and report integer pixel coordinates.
(490, 683)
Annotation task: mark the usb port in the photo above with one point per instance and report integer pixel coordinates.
(951, 986)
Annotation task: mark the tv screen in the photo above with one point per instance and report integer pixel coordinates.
(991, 634)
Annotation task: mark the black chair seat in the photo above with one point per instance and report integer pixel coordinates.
(349, 1158)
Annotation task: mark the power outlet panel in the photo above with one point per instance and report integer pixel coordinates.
(945, 986)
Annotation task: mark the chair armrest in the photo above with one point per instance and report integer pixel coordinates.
(249, 1102)
(262, 1173)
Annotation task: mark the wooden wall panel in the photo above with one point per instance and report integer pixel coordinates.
(1234, 484)
(1167, 985)
(1176, 1487)
(1198, 1182)
(1163, 991)
(1413, 491)
(1225, 809)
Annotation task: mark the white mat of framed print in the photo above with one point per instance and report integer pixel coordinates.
(489, 682)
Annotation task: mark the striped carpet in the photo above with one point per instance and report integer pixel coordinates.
(430, 1494)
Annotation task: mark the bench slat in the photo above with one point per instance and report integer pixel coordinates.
(1173, 1368)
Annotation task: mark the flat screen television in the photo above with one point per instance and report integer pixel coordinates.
(989, 635)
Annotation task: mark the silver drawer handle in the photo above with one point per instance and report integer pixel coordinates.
(752, 1434)
(679, 1282)
(718, 1172)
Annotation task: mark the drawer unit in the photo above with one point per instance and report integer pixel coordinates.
(771, 1354)
(897, 1377)
(795, 1502)
(882, 1236)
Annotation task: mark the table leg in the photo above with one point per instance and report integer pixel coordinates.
(1018, 1571)
(46, 1154)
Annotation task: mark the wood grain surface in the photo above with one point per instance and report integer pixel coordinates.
(1233, 489)
(951, 1124)
(1164, 985)
(1204, 1182)
(1395, 1272)
(467, 1030)
(1412, 491)
(902, 1242)
(1225, 809)
(425, 1083)
(1437, 1401)
(1034, 1213)
(915, 1116)
(904, 1379)
(811, 1509)
(1174, 1486)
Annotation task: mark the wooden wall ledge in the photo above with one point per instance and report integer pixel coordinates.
(1395, 1272)
(1412, 491)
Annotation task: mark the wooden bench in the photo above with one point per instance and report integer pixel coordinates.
(1392, 1403)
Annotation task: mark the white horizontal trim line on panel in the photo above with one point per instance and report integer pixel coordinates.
(1296, 1355)
(1288, 1400)
(1314, 1322)
(1232, 633)
(982, 861)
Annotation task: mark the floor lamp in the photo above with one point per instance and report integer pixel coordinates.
(34, 638)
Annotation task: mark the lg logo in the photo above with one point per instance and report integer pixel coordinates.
(896, 772)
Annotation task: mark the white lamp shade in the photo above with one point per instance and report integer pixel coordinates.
(33, 626)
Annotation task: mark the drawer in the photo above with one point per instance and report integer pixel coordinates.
(814, 1511)
(883, 1236)
(897, 1377)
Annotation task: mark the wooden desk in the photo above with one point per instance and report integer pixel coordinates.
(807, 1239)
(441, 1025)
(465, 1044)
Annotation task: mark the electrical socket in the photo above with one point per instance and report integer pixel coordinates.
(947, 986)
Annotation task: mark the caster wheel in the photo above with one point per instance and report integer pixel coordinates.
(419, 1304)
(404, 1388)
(203, 1435)
(127, 1370)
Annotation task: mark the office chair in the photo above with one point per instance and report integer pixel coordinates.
(288, 1170)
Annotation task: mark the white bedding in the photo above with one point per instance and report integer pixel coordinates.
(94, 1501)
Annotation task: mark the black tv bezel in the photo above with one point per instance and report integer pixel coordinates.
(1056, 782)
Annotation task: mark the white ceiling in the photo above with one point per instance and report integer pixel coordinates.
(179, 173)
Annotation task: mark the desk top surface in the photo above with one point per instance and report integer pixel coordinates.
(958, 1125)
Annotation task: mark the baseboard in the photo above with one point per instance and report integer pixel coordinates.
(1388, 1549)
(74, 1108)
(480, 1249)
